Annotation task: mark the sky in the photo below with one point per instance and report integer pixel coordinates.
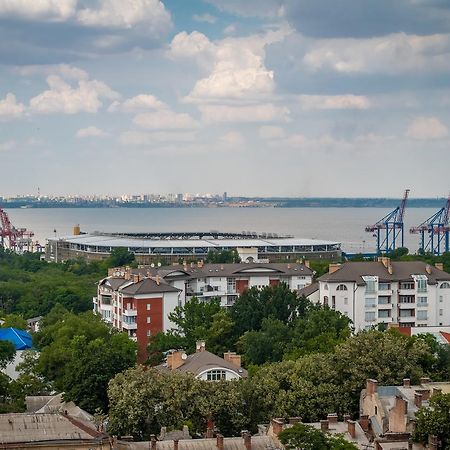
(343, 98)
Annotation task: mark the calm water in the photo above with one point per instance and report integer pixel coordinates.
(345, 225)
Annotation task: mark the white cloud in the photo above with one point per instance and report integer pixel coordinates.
(164, 120)
(139, 138)
(269, 132)
(141, 102)
(7, 146)
(127, 14)
(208, 18)
(45, 10)
(10, 108)
(63, 98)
(230, 29)
(334, 102)
(65, 70)
(424, 128)
(235, 65)
(392, 54)
(247, 113)
(91, 132)
(233, 139)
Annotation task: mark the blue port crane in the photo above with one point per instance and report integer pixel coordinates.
(434, 232)
(389, 230)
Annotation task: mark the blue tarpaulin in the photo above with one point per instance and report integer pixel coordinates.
(20, 338)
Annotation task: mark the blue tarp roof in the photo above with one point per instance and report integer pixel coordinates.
(20, 338)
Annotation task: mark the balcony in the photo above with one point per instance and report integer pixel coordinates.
(407, 305)
(130, 312)
(129, 326)
(385, 292)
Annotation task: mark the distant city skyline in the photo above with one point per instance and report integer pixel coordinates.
(282, 98)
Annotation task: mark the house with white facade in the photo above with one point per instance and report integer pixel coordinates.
(407, 293)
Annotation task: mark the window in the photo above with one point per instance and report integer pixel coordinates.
(215, 375)
(149, 306)
(326, 287)
(345, 300)
(406, 285)
(341, 287)
(325, 301)
(441, 299)
(333, 302)
(231, 285)
(370, 316)
(441, 312)
(370, 286)
(384, 286)
(384, 313)
(370, 302)
(422, 315)
(384, 300)
(422, 301)
(149, 332)
(406, 299)
(422, 283)
(231, 299)
(149, 320)
(445, 285)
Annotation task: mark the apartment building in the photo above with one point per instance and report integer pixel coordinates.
(410, 293)
(139, 301)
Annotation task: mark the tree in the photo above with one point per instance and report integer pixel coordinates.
(80, 354)
(120, 257)
(14, 321)
(306, 437)
(222, 256)
(434, 420)
(7, 353)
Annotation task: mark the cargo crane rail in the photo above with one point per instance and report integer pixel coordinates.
(389, 230)
(435, 232)
(18, 240)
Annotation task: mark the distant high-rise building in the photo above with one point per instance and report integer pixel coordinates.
(225, 196)
(179, 198)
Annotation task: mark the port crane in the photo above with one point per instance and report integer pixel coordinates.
(389, 230)
(16, 239)
(434, 232)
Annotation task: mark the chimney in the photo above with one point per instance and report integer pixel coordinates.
(200, 346)
(406, 382)
(428, 269)
(141, 276)
(210, 429)
(418, 399)
(389, 268)
(127, 274)
(332, 418)
(185, 265)
(152, 442)
(294, 420)
(306, 264)
(333, 267)
(371, 386)
(437, 391)
(425, 393)
(110, 271)
(192, 264)
(324, 425)
(247, 440)
(158, 280)
(425, 380)
(385, 261)
(432, 442)
(277, 426)
(351, 427)
(219, 442)
(200, 264)
(175, 444)
(232, 358)
(439, 266)
(346, 417)
(176, 359)
(136, 278)
(364, 422)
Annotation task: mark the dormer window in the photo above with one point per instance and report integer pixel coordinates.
(341, 287)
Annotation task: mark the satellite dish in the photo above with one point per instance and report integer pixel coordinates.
(184, 356)
(152, 265)
(159, 264)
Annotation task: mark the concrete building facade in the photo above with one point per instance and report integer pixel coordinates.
(409, 294)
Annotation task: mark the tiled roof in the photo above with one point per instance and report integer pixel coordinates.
(148, 286)
(401, 271)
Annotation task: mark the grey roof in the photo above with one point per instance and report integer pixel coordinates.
(16, 428)
(148, 286)
(401, 271)
(230, 270)
(236, 443)
(114, 282)
(308, 290)
(201, 361)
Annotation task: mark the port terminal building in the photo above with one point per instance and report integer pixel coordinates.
(169, 248)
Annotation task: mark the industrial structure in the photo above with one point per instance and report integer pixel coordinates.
(389, 230)
(434, 232)
(16, 239)
(175, 247)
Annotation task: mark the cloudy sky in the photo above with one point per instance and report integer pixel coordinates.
(252, 97)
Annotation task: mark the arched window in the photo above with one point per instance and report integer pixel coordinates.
(341, 287)
(445, 285)
(326, 287)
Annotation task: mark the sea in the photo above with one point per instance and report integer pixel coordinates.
(345, 225)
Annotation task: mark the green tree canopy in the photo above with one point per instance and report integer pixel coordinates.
(14, 321)
(120, 257)
(222, 256)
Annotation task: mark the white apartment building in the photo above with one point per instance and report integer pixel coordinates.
(410, 293)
